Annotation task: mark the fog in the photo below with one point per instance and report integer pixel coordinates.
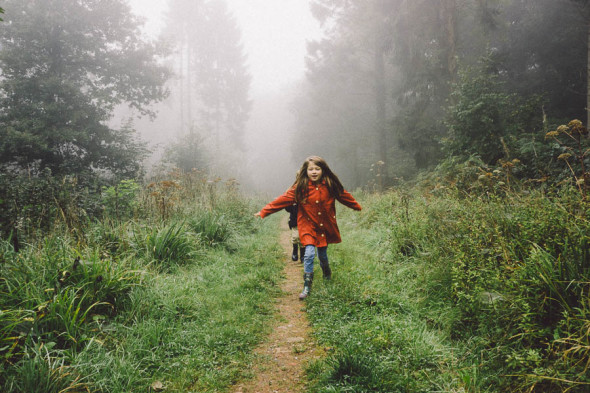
(385, 90)
(274, 36)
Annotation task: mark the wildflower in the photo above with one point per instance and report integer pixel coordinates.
(169, 184)
(551, 134)
(564, 156)
(516, 161)
(577, 127)
(562, 128)
(574, 124)
(580, 181)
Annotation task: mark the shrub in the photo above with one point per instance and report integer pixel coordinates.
(167, 245)
(213, 228)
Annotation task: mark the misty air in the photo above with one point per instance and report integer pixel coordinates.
(294, 196)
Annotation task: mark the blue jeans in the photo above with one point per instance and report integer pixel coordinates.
(310, 255)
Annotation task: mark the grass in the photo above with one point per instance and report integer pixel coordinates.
(430, 293)
(138, 305)
(193, 329)
(446, 294)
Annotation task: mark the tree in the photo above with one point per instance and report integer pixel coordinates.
(583, 8)
(187, 153)
(534, 57)
(212, 75)
(65, 65)
(348, 96)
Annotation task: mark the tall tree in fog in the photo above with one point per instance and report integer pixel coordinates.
(528, 51)
(583, 7)
(213, 79)
(348, 98)
(406, 56)
(545, 52)
(425, 51)
(65, 65)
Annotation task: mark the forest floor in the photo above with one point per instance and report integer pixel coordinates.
(282, 357)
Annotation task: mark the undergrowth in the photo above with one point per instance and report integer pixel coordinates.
(446, 293)
(152, 298)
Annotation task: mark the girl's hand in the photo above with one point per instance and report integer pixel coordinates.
(258, 215)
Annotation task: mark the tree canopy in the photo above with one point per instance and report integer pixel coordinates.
(407, 83)
(66, 64)
(212, 84)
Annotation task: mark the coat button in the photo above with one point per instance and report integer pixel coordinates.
(317, 188)
(319, 213)
(317, 201)
(322, 235)
(321, 224)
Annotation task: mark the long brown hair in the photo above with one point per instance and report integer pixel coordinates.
(302, 180)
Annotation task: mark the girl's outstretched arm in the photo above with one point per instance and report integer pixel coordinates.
(287, 199)
(348, 200)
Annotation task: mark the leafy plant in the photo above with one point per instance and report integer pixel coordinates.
(575, 146)
(120, 200)
(169, 245)
(214, 229)
(43, 370)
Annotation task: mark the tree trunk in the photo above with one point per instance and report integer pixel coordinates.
(181, 82)
(450, 12)
(588, 79)
(380, 97)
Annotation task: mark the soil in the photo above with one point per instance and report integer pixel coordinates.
(282, 357)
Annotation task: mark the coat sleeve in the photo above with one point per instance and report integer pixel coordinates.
(348, 200)
(281, 202)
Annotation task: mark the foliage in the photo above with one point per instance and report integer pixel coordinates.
(574, 144)
(214, 229)
(44, 370)
(213, 84)
(66, 64)
(439, 99)
(167, 245)
(188, 153)
(33, 205)
(131, 303)
(120, 200)
(482, 118)
(493, 285)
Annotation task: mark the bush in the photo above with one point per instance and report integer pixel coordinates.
(167, 245)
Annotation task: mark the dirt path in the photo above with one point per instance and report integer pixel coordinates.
(284, 354)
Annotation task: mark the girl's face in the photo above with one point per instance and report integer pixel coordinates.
(314, 172)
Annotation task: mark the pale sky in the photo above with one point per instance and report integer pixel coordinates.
(274, 34)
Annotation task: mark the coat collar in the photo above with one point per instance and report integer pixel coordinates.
(323, 182)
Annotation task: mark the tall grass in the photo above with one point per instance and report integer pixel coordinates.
(149, 302)
(452, 294)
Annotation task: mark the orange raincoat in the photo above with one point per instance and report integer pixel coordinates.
(316, 217)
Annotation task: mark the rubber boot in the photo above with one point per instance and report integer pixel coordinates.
(301, 253)
(307, 281)
(294, 255)
(327, 272)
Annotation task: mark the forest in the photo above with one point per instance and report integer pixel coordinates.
(460, 126)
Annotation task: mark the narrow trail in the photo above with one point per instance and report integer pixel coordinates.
(282, 357)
